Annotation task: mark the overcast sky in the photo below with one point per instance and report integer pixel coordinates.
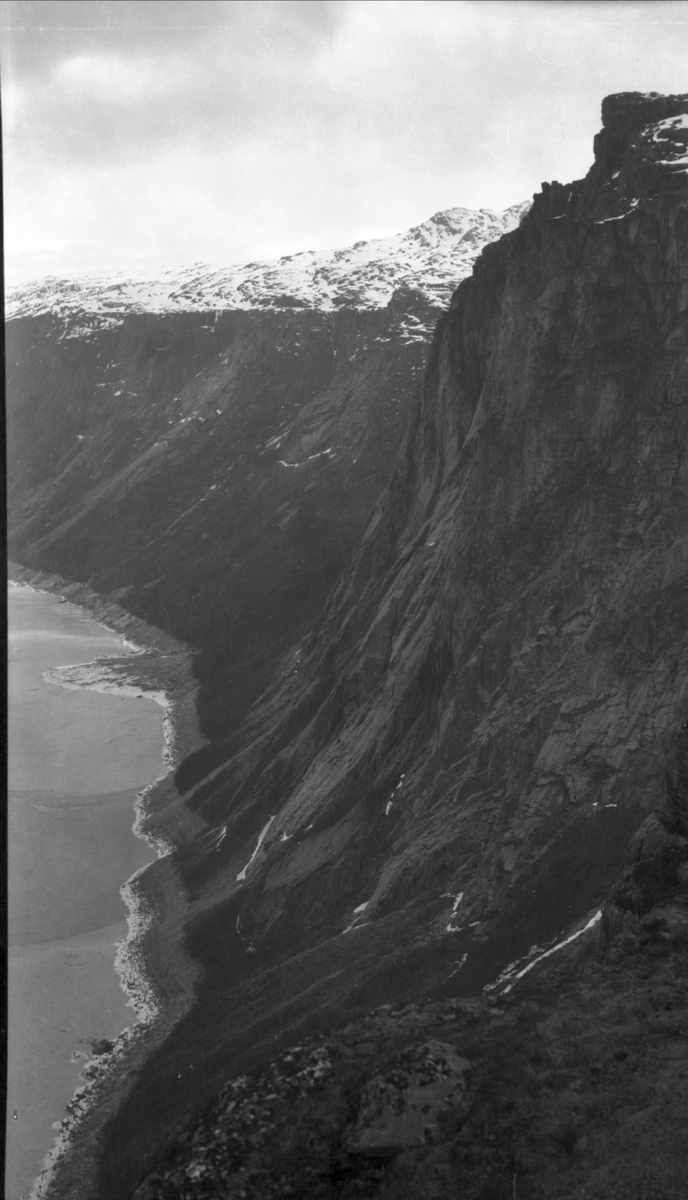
(139, 133)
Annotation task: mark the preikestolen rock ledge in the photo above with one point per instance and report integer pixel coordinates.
(433, 854)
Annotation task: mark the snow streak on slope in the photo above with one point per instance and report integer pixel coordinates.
(432, 258)
(671, 135)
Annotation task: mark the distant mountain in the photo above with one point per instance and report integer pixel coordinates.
(431, 258)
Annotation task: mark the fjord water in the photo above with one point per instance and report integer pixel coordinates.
(77, 759)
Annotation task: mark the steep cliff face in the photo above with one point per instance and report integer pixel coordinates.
(440, 786)
(484, 708)
(445, 778)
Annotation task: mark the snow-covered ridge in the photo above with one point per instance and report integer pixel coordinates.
(432, 258)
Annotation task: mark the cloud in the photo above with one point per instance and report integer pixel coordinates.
(112, 78)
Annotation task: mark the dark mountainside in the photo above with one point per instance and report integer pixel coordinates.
(237, 552)
(211, 467)
(476, 765)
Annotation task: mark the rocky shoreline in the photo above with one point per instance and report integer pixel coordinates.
(162, 662)
(152, 965)
(71, 1167)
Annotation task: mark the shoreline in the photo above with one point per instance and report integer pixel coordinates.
(152, 967)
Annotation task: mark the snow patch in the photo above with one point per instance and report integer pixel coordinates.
(457, 900)
(330, 453)
(242, 874)
(606, 220)
(669, 123)
(512, 973)
(663, 133)
(460, 962)
(358, 912)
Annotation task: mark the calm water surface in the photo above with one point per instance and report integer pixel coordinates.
(77, 759)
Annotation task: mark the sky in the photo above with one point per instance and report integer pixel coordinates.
(146, 133)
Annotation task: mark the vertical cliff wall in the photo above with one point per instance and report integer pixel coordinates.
(485, 705)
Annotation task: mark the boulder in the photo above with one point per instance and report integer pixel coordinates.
(402, 1107)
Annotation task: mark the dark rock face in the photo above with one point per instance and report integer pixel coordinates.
(444, 777)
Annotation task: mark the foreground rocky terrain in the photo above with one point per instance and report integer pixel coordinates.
(572, 1083)
(464, 792)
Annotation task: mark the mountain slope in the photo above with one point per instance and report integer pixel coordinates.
(574, 1090)
(430, 258)
(213, 469)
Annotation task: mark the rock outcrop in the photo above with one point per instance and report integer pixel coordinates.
(403, 1106)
